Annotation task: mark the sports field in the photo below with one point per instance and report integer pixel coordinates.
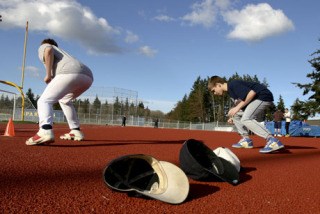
(66, 176)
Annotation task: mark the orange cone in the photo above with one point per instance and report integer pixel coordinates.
(10, 129)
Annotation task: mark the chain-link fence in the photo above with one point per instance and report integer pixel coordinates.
(7, 112)
(102, 114)
(116, 120)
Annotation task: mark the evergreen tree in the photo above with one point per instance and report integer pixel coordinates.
(140, 109)
(2, 105)
(132, 109)
(86, 106)
(147, 112)
(184, 113)
(116, 106)
(311, 106)
(105, 108)
(77, 105)
(6, 102)
(180, 111)
(280, 104)
(2, 101)
(298, 110)
(30, 96)
(196, 101)
(207, 101)
(126, 106)
(56, 106)
(96, 106)
(265, 83)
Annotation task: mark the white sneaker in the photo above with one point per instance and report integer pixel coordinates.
(272, 145)
(279, 135)
(42, 136)
(73, 135)
(244, 143)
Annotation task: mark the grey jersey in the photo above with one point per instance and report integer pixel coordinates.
(64, 63)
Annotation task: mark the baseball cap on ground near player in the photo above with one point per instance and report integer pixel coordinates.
(148, 176)
(228, 155)
(199, 162)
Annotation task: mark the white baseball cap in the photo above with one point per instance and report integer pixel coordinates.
(228, 155)
(148, 176)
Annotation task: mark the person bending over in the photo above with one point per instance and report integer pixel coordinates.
(252, 101)
(66, 79)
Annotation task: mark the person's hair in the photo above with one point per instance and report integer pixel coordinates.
(49, 41)
(214, 80)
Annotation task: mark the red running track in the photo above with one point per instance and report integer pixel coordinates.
(66, 177)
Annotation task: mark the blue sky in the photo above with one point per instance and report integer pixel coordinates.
(159, 48)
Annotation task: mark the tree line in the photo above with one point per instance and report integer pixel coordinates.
(84, 106)
(117, 107)
(200, 105)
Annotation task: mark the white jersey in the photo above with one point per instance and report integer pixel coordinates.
(287, 115)
(64, 63)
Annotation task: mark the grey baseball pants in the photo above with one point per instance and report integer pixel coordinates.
(251, 118)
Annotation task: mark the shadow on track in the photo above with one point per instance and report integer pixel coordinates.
(244, 176)
(201, 190)
(113, 143)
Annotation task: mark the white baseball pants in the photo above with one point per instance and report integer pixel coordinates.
(63, 89)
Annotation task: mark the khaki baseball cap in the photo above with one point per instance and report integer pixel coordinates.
(148, 176)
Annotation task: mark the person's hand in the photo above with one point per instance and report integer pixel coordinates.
(233, 111)
(47, 79)
(230, 120)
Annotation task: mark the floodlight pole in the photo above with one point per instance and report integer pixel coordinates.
(24, 55)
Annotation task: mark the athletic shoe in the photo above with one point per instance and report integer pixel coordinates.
(287, 135)
(42, 136)
(272, 145)
(279, 135)
(244, 143)
(73, 135)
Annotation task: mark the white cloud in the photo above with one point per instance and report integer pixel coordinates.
(257, 22)
(203, 13)
(164, 18)
(222, 4)
(66, 19)
(147, 51)
(131, 37)
(32, 71)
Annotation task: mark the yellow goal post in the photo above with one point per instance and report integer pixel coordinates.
(21, 93)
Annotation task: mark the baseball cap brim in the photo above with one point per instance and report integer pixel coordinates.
(148, 176)
(199, 162)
